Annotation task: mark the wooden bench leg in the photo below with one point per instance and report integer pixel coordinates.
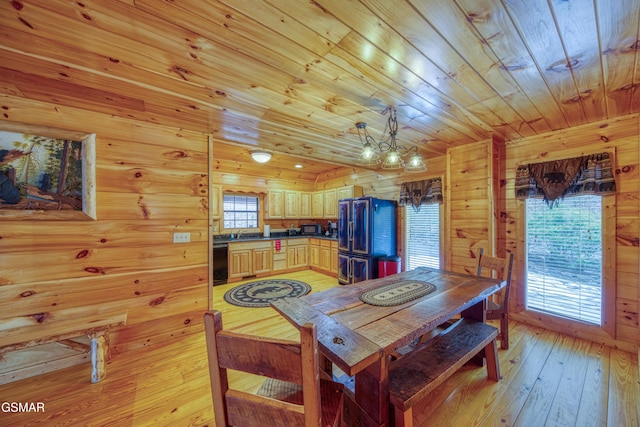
(99, 357)
(504, 332)
(493, 367)
(403, 419)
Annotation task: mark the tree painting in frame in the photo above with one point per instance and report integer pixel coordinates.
(46, 173)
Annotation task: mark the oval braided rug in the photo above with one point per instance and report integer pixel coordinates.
(261, 292)
(397, 293)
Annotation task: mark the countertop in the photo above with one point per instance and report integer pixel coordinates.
(220, 242)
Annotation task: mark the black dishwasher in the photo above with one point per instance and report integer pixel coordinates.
(219, 265)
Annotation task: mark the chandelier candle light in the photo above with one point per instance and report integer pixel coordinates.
(393, 160)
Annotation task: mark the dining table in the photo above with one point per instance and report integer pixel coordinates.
(361, 326)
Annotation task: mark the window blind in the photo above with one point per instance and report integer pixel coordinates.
(564, 257)
(422, 235)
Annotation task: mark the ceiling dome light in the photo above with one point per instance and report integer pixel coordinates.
(261, 156)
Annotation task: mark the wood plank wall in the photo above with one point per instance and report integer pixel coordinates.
(58, 276)
(469, 204)
(621, 136)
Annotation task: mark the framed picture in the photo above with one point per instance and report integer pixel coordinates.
(46, 173)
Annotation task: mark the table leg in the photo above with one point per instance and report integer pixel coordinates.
(372, 391)
(477, 312)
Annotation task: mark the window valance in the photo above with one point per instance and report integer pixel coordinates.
(418, 193)
(551, 181)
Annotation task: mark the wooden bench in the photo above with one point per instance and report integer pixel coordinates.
(35, 355)
(415, 375)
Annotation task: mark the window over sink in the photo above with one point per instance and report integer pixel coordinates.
(241, 211)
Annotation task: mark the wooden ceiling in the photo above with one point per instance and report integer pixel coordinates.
(294, 76)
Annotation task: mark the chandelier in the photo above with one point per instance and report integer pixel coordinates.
(371, 149)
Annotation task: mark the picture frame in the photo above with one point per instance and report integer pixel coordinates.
(46, 173)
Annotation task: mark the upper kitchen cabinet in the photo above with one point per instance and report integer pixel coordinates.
(349, 192)
(305, 205)
(330, 203)
(332, 196)
(291, 204)
(317, 204)
(275, 204)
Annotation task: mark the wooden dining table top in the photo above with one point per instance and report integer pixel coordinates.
(354, 334)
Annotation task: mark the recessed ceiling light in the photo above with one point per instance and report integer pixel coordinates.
(299, 166)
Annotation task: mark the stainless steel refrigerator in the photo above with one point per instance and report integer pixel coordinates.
(366, 232)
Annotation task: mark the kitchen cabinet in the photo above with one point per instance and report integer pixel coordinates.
(279, 251)
(249, 258)
(334, 256)
(330, 203)
(305, 205)
(297, 253)
(317, 204)
(240, 263)
(325, 255)
(275, 204)
(291, 204)
(314, 253)
(320, 255)
(349, 192)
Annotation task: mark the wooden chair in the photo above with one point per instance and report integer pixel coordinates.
(498, 308)
(293, 393)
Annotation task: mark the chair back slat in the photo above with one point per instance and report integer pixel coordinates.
(251, 410)
(278, 359)
(500, 268)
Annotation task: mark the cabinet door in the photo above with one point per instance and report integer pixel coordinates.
(334, 257)
(349, 192)
(305, 205)
(276, 204)
(314, 255)
(330, 203)
(262, 261)
(325, 258)
(317, 204)
(240, 263)
(291, 204)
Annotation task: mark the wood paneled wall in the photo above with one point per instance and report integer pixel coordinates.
(621, 136)
(469, 205)
(60, 276)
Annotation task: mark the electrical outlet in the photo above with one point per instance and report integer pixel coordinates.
(181, 237)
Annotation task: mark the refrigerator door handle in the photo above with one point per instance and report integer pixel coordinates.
(350, 270)
(350, 233)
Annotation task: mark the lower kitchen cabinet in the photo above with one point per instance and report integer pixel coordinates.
(297, 253)
(321, 255)
(249, 258)
(279, 251)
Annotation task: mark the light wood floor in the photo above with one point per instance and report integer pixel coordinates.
(547, 380)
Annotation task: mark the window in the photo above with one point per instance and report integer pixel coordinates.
(564, 257)
(422, 234)
(241, 211)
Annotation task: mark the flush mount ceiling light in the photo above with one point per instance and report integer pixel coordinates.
(261, 156)
(395, 152)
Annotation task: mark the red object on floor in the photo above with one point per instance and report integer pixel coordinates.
(389, 265)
